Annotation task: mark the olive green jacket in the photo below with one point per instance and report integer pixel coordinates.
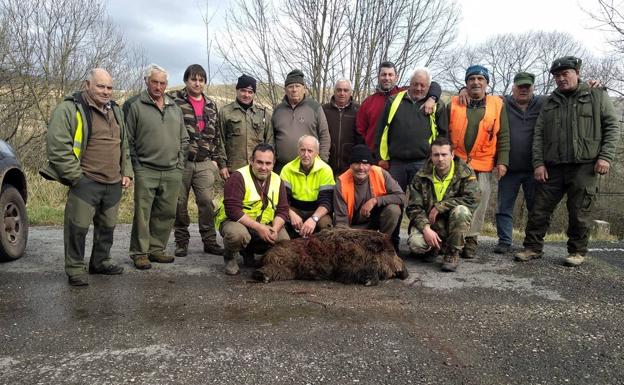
(463, 190)
(580, 127)
(242, 130)
(63, 165)
(157, 139)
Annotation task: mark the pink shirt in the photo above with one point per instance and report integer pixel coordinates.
(198, 107)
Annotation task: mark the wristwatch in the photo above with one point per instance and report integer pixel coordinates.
(315, 218)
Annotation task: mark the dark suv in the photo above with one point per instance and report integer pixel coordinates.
(13, 196)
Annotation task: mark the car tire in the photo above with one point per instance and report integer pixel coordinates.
(14, 233)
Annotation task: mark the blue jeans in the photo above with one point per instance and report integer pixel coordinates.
(403, 171)
(508, 188)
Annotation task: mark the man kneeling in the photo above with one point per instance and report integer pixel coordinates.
(366, 196)
(254, 210)
(442, 198)
(310, 189)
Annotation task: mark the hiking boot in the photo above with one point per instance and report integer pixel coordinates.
(526, 255)
(181, 250)
(249, 259)
(78, 280)
(502, 248)
(470, 248)
(106, 270)
(161, 258)
(450, 261)
(574, 259)
(213, 248)
(141, 262)
(231, 262)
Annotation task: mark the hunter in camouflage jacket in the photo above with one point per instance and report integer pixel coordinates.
(207, 143)
(463, 190)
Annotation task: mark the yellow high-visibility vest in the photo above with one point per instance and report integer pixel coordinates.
(383, 145)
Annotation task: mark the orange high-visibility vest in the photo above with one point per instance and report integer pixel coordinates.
(483, 154)
(375, 179)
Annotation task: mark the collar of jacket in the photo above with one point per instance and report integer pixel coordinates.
(332, 102)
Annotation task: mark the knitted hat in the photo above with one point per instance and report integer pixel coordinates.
(477, 70)
(566, 62)
(360, 153)
(524, 79)
(246, 81)
(295, 76)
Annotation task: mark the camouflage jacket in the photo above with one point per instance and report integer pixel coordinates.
(207, 143)
(242, 130)
(463, 190)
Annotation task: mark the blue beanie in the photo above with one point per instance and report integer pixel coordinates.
(477, 70)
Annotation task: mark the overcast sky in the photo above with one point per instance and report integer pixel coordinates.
(172, 34)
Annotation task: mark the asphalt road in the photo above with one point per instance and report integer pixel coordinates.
(493, 322)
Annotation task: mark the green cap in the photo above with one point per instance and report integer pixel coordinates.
(566, 62)
(294, 76)
(524, 79)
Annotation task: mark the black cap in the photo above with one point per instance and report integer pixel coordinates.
(294, 76)
(566, 62)
(246, 81)
(360, 153)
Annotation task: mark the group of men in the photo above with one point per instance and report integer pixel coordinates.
(308, 166)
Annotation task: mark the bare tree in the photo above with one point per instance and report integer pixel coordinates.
(47, 48)
(507, 54)
(248, 44)
(332, 39)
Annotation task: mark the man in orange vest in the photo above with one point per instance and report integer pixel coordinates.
(479, 133)
(366, 196)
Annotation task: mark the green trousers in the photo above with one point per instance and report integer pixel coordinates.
(578, 182)
(155, 197)
(90, 201)
(201, 177)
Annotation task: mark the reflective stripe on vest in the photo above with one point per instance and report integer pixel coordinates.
(375, 179)
(483, 153)
(252, 201)
(383, 145)
(78, 135)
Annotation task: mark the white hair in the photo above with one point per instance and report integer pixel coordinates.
(421, 71)
(343, 80)
(155, 67)
(315, 140)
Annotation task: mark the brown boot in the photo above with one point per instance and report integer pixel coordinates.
(230, 259)
(450, 260)
(141, 262)
(470, 248)
(213, 248)
(526, 255)
(161, 258)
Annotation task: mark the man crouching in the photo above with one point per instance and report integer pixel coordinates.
(254, 210)
(442, 198)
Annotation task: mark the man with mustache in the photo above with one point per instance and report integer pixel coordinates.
(574, 141)
(479, 133)
(366, 196)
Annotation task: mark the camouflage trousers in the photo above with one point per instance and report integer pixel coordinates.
(451, 228)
